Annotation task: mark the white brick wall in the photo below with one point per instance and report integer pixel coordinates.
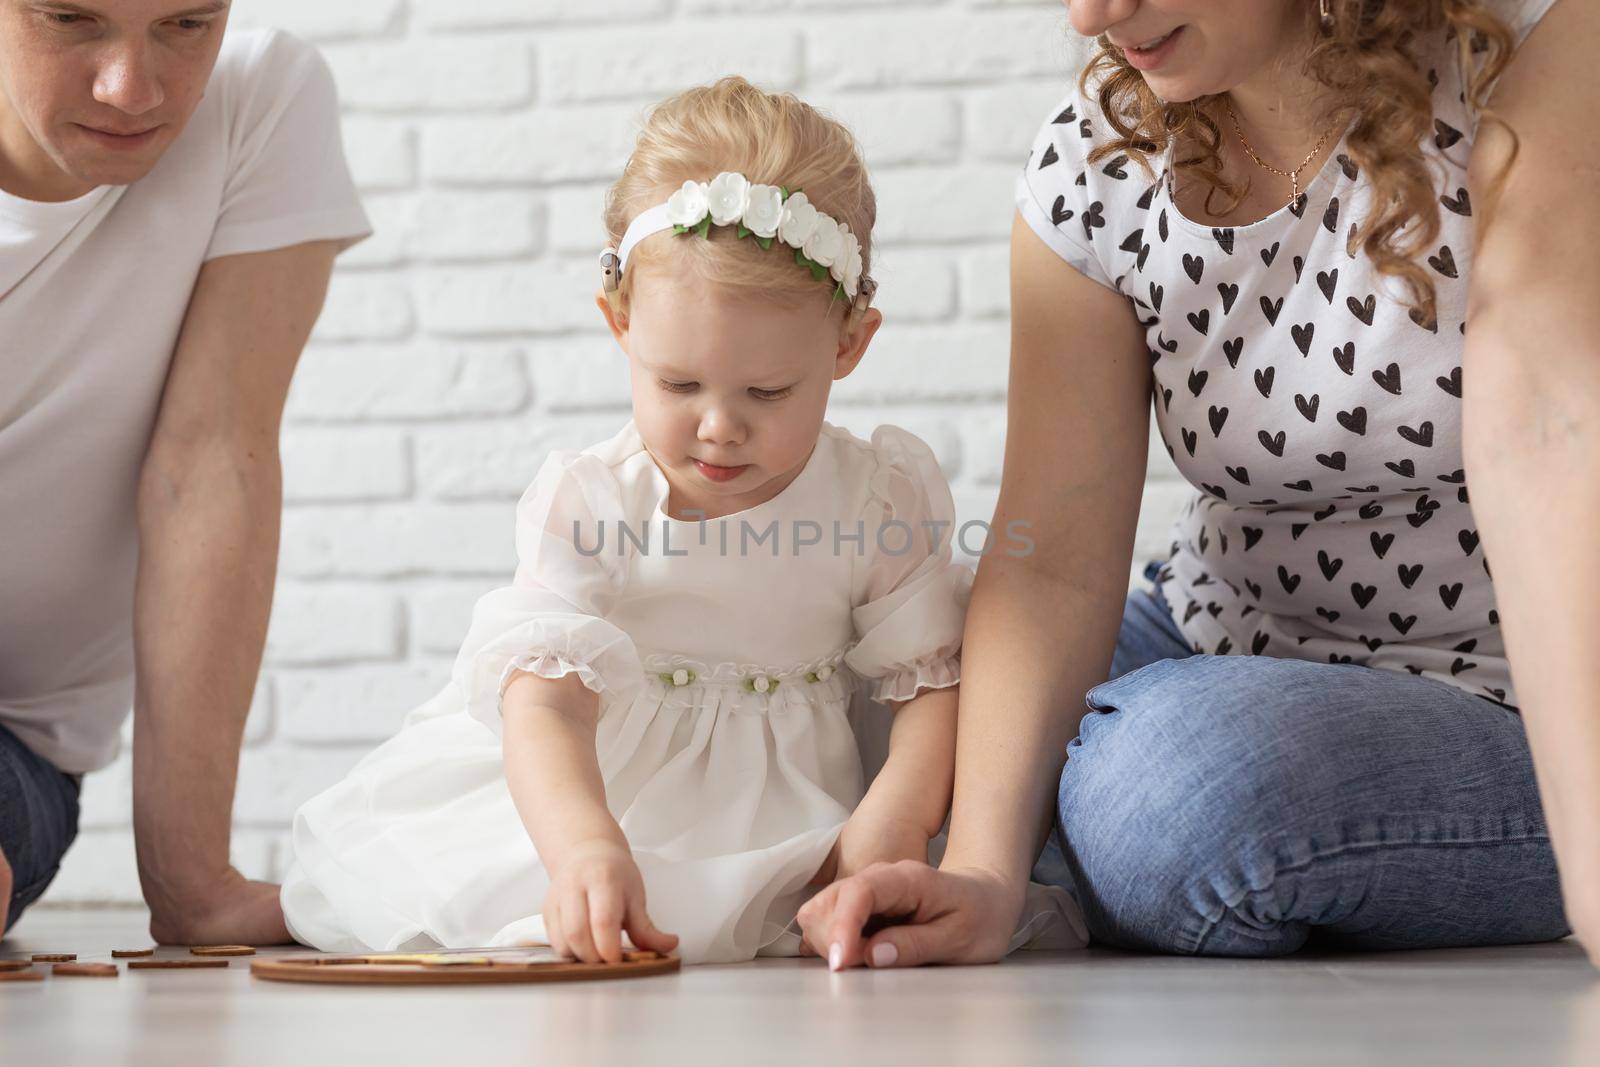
(461, 342)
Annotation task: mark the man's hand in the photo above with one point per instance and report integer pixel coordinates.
(961, 915)
(236, 912)
(210, 501)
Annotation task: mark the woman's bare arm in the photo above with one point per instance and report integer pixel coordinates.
(1532, 421)
(1040, 628)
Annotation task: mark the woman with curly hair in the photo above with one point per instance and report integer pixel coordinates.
(1321, 720)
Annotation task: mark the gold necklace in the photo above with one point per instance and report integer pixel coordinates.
(1292, 175)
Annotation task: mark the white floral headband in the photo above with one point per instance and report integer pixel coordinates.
(766, 213)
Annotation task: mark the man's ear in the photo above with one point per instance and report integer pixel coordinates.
(853, 342)
(617, 322)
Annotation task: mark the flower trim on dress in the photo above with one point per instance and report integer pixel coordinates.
(677, 670)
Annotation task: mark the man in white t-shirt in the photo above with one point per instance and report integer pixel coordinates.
(171, 204)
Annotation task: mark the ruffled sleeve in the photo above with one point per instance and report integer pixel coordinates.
(550, 620)
(910, 595)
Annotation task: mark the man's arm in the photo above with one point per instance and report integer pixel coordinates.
(1531, 434)
(210, 502)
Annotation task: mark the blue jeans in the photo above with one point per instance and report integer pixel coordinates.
(38, 820)
(1248, 805)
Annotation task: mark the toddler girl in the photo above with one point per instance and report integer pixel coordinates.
(649, 731)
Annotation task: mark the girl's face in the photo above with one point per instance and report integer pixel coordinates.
(729, 391)
(1196, 47)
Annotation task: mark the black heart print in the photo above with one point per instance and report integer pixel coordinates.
(1302, 336)
(1406, 515)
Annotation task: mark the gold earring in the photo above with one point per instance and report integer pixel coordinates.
(1325, 11)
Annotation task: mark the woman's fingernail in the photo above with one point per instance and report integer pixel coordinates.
(835, 956)
(884, 954)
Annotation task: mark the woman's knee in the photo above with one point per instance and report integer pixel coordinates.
(1180, 770)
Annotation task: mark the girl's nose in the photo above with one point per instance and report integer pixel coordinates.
(719, 426)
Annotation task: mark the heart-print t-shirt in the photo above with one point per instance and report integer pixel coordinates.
(1319, 421)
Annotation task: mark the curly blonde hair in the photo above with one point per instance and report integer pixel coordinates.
(1377, 85)
(770, 138)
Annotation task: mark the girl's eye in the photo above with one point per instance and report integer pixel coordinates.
(676, 387)
(771, 394)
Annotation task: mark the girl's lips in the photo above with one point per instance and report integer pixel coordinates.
(720, 474)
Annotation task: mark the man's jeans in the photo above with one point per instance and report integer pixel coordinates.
(1243, 805)
(38, 820)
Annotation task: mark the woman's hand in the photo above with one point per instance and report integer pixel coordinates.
(954, 915)
(595, 894)
(869, 838)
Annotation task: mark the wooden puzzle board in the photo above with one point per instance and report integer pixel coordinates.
(457, 967)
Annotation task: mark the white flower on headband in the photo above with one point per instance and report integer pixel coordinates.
(850, 264)
(688, 205)
(799, 219)
(728, 195)
(764, 212)
(825, 242)
(821, 244)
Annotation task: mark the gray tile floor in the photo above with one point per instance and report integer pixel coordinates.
(1530, 1005)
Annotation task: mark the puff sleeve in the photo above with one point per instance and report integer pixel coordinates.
(1056, 190)
(550, 620)
(910, 595)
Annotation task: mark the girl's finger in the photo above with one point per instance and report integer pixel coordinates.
(605, 922)
(644, 932)
(575, 915)
(552, 927)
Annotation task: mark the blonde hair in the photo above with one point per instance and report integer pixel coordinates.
(1372, 67)
(770, 138)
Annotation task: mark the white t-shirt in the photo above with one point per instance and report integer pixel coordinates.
(92, 296)
(1320, 423)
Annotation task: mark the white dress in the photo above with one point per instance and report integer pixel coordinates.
(727, 736)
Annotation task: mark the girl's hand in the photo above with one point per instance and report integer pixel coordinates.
(595, 894)
(869, 838)
(957, 915)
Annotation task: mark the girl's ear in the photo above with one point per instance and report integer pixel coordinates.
(617, 321)
(853, 342)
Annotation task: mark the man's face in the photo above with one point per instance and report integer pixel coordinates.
(93, 92)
